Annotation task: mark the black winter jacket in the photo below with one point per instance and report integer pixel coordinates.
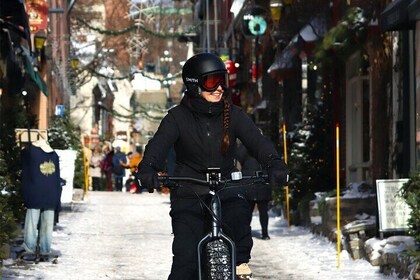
(195, 129)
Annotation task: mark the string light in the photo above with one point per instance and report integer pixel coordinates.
(128, 76)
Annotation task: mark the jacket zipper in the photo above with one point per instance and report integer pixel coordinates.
(209, 155)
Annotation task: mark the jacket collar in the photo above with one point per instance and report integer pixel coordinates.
(202, 106)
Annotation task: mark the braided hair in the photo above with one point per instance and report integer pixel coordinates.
(226, 122)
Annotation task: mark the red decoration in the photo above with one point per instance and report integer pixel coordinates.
(254, 71)
(232, 71)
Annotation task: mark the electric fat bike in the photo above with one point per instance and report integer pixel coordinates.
(216, 247)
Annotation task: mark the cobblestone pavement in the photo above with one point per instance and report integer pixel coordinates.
(114, 235)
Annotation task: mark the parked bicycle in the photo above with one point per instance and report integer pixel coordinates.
(216, 250)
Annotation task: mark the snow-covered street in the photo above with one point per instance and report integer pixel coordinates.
(114, 235)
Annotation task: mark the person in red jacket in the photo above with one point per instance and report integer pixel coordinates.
(106, 168)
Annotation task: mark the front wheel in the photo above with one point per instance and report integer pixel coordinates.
(219, 261)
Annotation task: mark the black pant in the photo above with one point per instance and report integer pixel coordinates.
(118, 184)
(262, 206)
(96, 184)
(191, 222)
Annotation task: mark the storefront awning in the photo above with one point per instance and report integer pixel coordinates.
(310, 34)
(395, 16)
(286, 64)
(414, 11)
(314, 30)
(35, 75)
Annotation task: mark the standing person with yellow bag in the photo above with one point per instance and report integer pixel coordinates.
(133, 161)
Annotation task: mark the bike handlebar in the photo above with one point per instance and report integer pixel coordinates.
(214, 180)
(162, 178)
(257, 178)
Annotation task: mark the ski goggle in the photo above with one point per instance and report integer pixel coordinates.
(212, 81)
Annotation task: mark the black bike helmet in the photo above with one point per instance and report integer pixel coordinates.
(204, 71)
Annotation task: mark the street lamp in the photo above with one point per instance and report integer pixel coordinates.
(275, 9)
(166, 60)
(167, 84)
(74, 62)
(39, 41)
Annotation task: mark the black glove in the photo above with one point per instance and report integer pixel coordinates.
(278, 174)
(149, 181)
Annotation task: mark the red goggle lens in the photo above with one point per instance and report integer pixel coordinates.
(212, 81)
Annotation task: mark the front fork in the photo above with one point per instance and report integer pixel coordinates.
(217, 233)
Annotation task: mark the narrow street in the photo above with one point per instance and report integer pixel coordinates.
(124, 236)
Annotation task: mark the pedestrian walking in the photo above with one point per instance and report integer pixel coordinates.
(259, 194)
(106, 167)
(118, 170)
(95, 169)
(203, 130)
(41, 191)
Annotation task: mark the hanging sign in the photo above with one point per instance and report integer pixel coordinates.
(254, 22)
(257, 26)
(59, 110)
(37, 14)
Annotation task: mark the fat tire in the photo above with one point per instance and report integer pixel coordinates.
(219, 261)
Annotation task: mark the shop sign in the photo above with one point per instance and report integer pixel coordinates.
(393, 212)
(254, 22)
(37, 14)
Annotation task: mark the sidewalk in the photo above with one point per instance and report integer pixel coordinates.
(128, 236)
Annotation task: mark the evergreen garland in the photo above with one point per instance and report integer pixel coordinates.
(132, 28)
(144, 112)
(130, 76)
(343, 39)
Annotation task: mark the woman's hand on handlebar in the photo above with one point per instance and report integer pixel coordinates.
(149, 181)
(278, 174)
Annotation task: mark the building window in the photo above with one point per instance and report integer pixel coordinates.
(357, 120)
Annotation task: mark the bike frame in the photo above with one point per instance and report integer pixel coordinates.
(213, 179)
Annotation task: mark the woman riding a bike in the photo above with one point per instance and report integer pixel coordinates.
(203, 130)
